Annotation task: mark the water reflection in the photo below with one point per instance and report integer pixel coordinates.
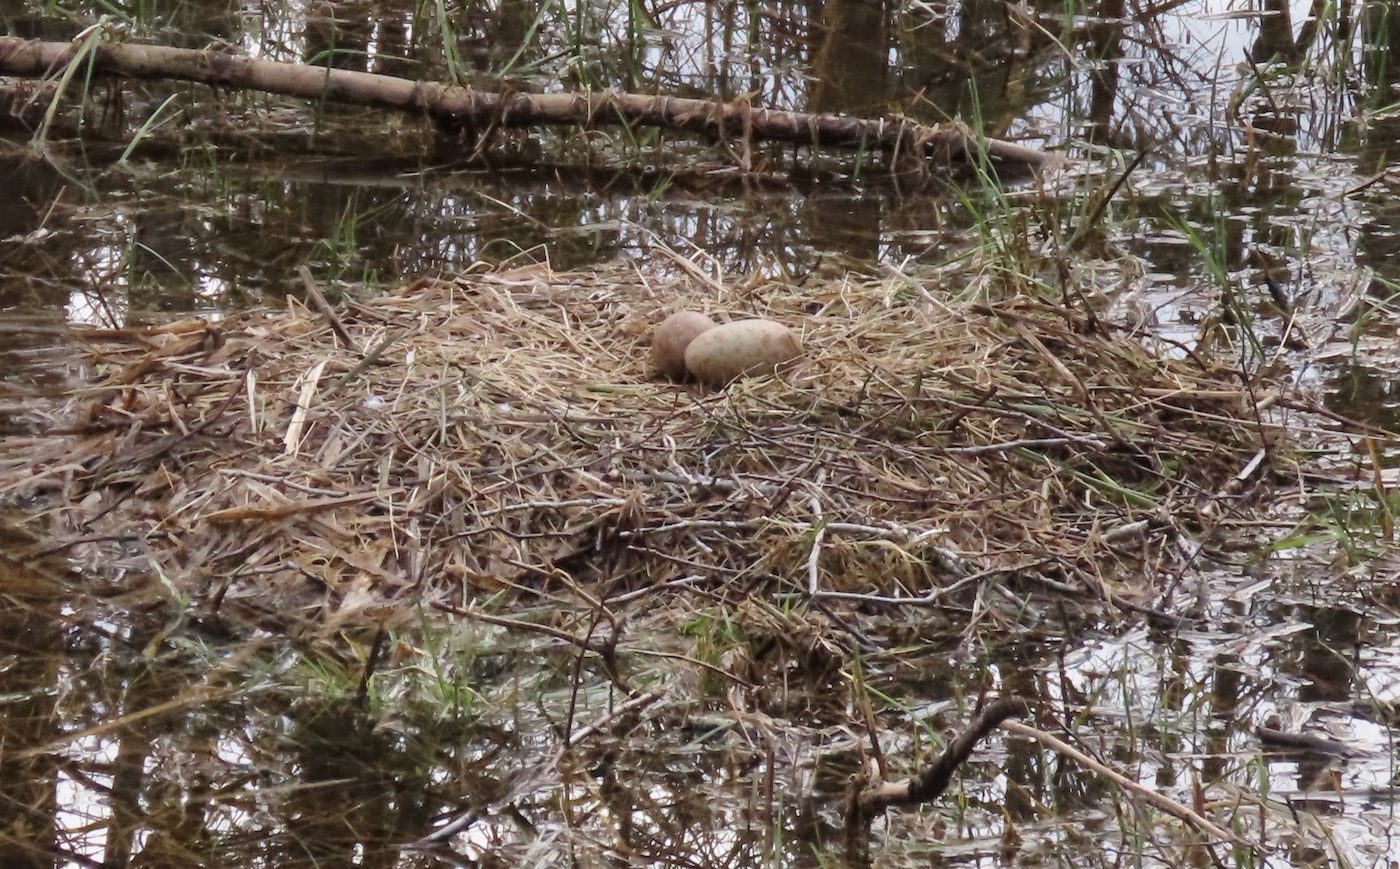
(136, 747)
(33, 651)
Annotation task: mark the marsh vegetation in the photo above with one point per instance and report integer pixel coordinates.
(346, 522)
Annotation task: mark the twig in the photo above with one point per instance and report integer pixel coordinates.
(1092, 443)
(929, 784)
(1166, 804)
(194, 697)
(636, 704)
(376, 650)
(1100, 202)
(314, 293)
(479, 615)
(371, 356)
(813, 574)
(446, 831)
(864, 802)
(597, 503)
(696, 662)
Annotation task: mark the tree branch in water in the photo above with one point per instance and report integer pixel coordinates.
(908, 144)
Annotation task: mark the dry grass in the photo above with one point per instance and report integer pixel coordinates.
(509, 436)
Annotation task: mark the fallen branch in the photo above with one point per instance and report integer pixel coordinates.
(479, 111)
(933, 781)
(930, 784)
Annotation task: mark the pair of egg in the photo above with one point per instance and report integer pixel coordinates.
(690, 344)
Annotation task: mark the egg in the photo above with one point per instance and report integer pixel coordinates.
(745, 347)
(670, 339)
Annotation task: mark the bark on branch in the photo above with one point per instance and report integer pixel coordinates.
(450, 106)
(929, 784)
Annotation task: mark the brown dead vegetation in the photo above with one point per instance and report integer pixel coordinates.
(501, 432)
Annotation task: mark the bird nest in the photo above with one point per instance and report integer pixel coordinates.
(469, 443)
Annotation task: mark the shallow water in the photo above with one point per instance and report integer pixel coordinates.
(186, 755)
(133, 735)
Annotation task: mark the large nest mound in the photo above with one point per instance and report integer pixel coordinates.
(504, 432)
